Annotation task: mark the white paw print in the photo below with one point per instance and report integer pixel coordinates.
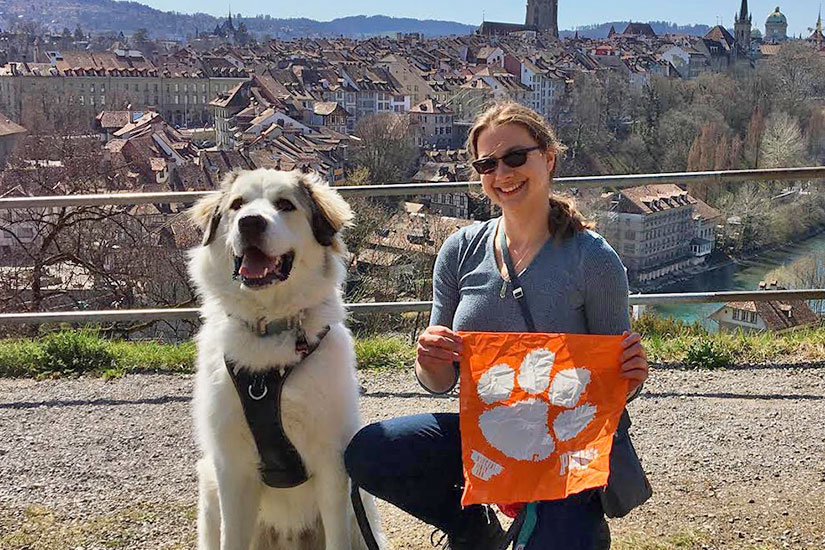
(522, 430)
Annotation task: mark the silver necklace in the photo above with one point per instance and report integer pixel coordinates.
(503, 292)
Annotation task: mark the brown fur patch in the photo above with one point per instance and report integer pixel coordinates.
(330, 212)
(206, 213)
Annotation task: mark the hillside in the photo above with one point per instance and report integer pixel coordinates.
(601, 30)
(102, 16)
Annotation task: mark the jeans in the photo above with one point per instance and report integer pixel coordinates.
(414, 463)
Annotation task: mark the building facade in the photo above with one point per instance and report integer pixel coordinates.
(120, 79)
(776, 27)
(652, 228)
(434, 124)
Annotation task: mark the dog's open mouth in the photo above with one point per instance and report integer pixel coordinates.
(256, 269)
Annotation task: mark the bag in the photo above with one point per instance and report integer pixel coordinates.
(627, 487)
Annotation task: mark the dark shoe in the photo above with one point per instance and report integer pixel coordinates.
(480, 532)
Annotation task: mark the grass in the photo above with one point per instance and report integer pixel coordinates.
(384, 352)
(792, 347)
(72, 353)
(42, 528)
(47, 357)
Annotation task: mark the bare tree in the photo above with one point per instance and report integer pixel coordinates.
(804, 273)
(85, 256)
(387, 148)
(782, 143)
(794, 76)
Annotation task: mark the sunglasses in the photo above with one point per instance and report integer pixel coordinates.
(513, 159)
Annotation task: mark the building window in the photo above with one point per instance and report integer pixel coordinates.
(630, 235)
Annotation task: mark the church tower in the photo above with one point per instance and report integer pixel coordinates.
(544, 15)
(742, 28)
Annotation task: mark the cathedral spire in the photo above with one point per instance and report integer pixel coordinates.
(743, 11)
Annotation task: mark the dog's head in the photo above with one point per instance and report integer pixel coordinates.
(270, 233)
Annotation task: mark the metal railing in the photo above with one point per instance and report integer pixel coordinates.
(399, 189)
(621, 181)
(173, 314)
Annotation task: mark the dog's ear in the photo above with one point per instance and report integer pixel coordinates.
(330, 212)
(206, 213)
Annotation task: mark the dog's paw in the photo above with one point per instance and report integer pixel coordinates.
(523, 430)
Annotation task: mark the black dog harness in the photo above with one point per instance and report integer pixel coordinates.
(260, 393)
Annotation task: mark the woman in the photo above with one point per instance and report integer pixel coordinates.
(573, 282)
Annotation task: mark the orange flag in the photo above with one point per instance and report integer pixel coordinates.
(538, 414)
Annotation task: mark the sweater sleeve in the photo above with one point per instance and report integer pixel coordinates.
(445, 283)
(606, 289)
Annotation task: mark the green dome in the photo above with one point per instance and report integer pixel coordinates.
(777, 18)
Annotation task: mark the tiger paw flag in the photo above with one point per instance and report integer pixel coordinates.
(538, 414)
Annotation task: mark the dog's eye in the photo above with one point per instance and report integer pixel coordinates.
(236, 204)
(284, 205)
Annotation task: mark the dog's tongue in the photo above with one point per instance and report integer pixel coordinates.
(255, 263)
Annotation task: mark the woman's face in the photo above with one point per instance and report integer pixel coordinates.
(525, 186)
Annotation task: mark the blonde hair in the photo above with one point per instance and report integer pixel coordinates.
(564, 219)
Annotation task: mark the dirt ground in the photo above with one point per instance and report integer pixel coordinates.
(735, 458)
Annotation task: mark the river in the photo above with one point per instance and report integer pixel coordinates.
(736, 276)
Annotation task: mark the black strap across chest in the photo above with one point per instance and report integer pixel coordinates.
(518, 292)
(260, 394)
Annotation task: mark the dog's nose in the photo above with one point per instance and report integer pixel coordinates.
(251, 226)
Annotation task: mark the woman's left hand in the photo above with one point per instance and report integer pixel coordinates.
(634, 361)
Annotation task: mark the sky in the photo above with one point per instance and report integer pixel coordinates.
(801, 14)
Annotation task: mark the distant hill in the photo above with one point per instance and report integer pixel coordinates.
(601, 30)
(102, 16)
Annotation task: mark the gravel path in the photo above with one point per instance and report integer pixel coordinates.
(735, 457)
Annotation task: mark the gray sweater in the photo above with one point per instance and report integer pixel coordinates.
(576, 286)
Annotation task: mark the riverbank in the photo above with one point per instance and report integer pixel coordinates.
(720, 260)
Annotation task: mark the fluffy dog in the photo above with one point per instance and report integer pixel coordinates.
(272, 256)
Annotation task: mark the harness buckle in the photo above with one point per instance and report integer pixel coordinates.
(518, 293)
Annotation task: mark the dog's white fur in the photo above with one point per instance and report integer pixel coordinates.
(237, 511)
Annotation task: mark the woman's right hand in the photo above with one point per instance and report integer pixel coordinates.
(438, 347)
